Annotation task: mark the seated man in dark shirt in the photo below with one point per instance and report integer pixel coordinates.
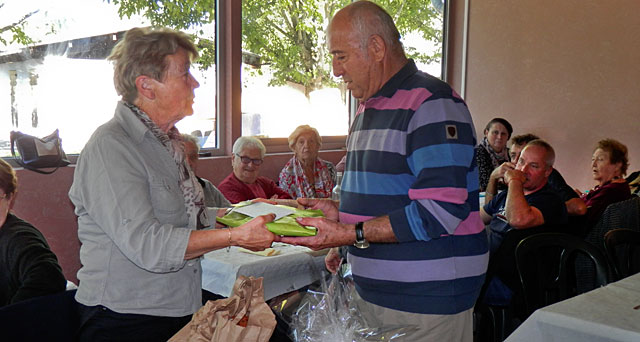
(528, 201)
(575, 205)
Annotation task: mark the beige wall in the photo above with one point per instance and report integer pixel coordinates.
(567, 71)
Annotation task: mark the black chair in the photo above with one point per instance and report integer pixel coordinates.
(625, 214)
(495, 322)
(546, 266)
(623, 250)
(46, 318)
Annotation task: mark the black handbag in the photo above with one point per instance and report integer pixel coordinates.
(38, 153)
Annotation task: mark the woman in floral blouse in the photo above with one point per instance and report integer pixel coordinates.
(306, 175)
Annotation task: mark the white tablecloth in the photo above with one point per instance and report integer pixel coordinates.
(610, 313)
(294, 268)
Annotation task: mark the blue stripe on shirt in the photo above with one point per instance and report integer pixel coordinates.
(377, 184)
(440, 156)
(415, 222)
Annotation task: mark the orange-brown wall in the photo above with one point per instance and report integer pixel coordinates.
(43, 201)
(568, 71)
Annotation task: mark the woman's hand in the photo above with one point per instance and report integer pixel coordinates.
(263, 200)
(254, 235)
(329, 208)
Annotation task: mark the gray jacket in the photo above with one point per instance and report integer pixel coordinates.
(132, 224)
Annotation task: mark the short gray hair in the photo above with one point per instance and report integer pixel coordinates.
(249, 142)
(142, 51)
(368, 18)
(550, 155)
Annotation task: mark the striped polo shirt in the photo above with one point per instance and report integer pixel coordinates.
(410, 156)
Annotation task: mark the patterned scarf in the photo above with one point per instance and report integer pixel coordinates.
(496, 158)
(191, 189)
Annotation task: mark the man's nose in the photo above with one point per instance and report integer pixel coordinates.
(337, 69)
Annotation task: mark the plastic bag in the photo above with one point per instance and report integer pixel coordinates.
(286, 226)
(332, 315)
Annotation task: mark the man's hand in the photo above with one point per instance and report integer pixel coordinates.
(514, 175)
(498, 172)
(330, 234)
(329, 208)
(333, 260)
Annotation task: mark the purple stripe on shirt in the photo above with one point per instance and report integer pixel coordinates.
(353, 219)
(447, 221)
(471, 225)
(385, 140)
(439, 110)
(411, 271)
(401, 99)
(444, 194)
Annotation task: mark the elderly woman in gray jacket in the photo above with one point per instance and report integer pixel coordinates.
(140, 208)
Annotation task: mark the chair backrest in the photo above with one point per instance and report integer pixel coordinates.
(624, 214)
(546, 266)
(623, 250)
(47, 318)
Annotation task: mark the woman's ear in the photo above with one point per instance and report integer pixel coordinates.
(145, 84)
(619, 168)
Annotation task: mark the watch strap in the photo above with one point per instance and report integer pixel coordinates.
(359, 232)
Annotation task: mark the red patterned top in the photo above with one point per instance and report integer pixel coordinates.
(294, 181)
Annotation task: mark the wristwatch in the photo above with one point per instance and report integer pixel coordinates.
(361, 242)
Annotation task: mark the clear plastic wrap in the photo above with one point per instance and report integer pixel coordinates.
(332, 315)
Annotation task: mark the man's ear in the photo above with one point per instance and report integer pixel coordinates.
(377, 47)
(145, 84)
(547, 172)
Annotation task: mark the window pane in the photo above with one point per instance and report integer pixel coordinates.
(63, 81)
(286, 75)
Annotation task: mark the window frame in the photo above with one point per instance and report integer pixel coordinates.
(228, 42)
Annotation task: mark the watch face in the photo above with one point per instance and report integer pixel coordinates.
(362, 244)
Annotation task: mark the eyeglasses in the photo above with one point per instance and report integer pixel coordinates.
(247, 160)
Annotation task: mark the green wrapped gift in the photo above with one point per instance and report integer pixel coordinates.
(286, 226)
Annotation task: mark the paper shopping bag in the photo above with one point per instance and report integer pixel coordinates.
(244, 316)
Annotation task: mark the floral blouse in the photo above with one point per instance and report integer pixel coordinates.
(294, 181)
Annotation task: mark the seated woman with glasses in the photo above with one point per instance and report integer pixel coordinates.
(244, 183)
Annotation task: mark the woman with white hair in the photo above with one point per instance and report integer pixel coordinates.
(244, 183)
(306, 175)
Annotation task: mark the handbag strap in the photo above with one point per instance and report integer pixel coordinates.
(12, 137)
